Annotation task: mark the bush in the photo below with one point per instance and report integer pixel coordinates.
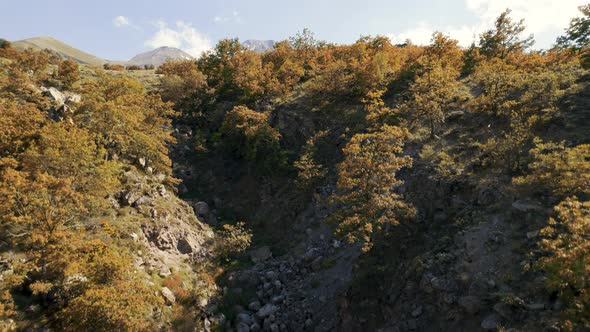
(558, 170)
(247, 134)
(235, 239)
(68, 73)
(567, 243)
(108, 66)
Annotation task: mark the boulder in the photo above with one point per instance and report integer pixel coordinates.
(201, 209)
(267, 310)
(57, 96)
(243, 327)
(168, 295)
(245, 319)
(491, 322)
(526, 206)
(316, 265)
(254, 306)
(261, 254)
(471, 304)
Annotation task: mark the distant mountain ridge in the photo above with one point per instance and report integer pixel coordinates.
(154, 57)
(64, 50)
(159, 56)
(259, 46)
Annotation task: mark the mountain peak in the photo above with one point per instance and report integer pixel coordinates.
(259, 46)
(159, 55)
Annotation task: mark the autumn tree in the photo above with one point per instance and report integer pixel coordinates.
(80, 160)
(366, 187)
(307, 48)
(435, 87)
(129, 123)
(504, 38)
(247, 134)
(68, 73)
(184, 85)
(567, 247)
(445, 50)
(19, 126)
(284, 71)
(577, 35)
(309, 171)
(558, 170)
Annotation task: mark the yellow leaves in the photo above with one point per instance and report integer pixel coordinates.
(558, 170)
(248, 133)
(19, 124)
(567, 264)
(125, 305)
(366, 184)
(235, 239)
(68, 73)
(127, 121)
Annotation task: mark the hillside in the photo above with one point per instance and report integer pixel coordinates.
(310, 187)
(61, 48)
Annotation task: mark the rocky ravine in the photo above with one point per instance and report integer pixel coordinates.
(299, 290)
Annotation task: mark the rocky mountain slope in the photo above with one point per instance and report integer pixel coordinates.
(259, 46)
(159, 56)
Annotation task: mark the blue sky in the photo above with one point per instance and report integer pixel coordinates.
(120, 29)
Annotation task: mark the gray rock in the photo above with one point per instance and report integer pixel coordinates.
(316, 265)
(245, 318)
(470, 304)
(73, 98)
(526, 206)
(267, 310)
(131, 197)
(532, 234)
(277, 299)
(271, 275)
(143, 200)
(56, 95)
(254, 306)
(168, 295)
(242, 327)
(164, 272)
(535, 306)
(201, 209)
(491, 322)
(417, 312)
(260, 255)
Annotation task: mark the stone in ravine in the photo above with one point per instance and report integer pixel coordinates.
(254, 306)
(267, 310)
(471, 304)
(260, 255)
(168, 295)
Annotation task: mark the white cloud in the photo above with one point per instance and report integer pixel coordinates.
(182, 36)
(540, 16)
(121, 21)
(234, 18)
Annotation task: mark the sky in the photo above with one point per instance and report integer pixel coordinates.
(120, 29)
